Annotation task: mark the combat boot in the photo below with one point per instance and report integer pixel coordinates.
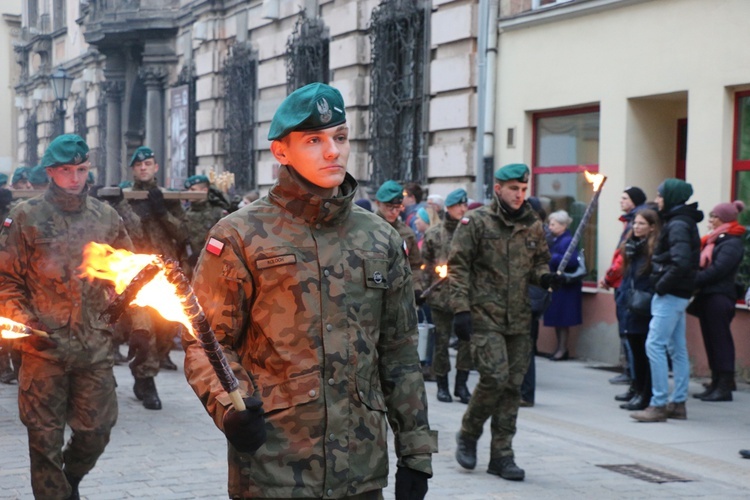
(466, 452)
(167, 364)
(506, 468)
(145, 390)
(460, 390)
(444, 393)
(73, 481)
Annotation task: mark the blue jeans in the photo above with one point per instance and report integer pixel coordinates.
(666, 334)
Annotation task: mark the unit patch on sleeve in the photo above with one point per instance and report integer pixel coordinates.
(214, 246)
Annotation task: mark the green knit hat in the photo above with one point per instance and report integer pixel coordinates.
(316, 106)
(674, 192)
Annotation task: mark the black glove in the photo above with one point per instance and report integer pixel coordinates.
(36, 341)
(462, 325)
(6, 197)
(410, 484)
(138, 346)
(156, 200)
(246, 430)
(418, 299)
(552, 281)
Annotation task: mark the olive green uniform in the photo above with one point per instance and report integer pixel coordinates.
(312, 302)
(493, 259)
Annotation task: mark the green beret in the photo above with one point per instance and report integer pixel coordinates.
(20, 174)
(90, 177)
(125, 184)
(66, 149)
(196, 179)
(390, 192)
(38, 176)
(424, 215)
(313, 107)
(3, 179)
(513, 172)
(141, 154)
(456, 196)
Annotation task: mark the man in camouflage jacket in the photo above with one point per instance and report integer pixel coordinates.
(201, 215)
(496, 252)
(70, 381)
(311, 299)
(435, 248)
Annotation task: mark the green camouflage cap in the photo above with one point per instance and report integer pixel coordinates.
(3, 179)
(513, 172)
(66, 149)
(456, 196)
(38, 175)
(390, 192)
(196, 179)
(313, 107)
(20, 174)
(141, 154)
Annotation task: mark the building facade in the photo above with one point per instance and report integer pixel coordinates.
(10, 34)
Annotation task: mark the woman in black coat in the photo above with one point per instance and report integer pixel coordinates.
(721, 253)
(637, 250)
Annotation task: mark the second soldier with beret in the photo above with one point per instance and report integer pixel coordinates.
(201, 215)
(496, 252)
(68, 380)
(312, 301)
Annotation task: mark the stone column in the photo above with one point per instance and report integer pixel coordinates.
(115, 169)
(153, 77)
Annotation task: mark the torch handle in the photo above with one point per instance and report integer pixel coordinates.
(237, 401)
(426, 292)
(40, 333)
(579, 230)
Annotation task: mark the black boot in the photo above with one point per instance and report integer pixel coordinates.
(626, 396)
(636, 404)
(444, 394)
(506, 468)
(460, 390)
(466, 452)
(167, 364)
(709, 388)
(145, 390)
(73, 481)
(723, 390)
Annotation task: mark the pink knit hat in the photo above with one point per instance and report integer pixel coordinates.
(727, 212)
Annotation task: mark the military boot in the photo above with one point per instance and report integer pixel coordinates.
(466, 451)
(460, 390)
(506, 468)
(167, 363)
(145, 390)
(73, 481)
(444, 393)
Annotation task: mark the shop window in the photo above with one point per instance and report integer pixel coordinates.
(566, 143)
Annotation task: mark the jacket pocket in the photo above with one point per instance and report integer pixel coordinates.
(290, 393)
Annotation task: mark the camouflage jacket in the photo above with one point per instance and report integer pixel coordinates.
(492, 260)
(412, 249)
(165, 235)
(435, 248)
(41, 248)
(312, 302)
(200, 218)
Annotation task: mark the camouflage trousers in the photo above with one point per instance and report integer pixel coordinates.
(161, 340)
(52, 394)
(441, 363)
(501, 361)
(369, 495)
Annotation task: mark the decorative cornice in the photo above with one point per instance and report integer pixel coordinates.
(114, 89)
(153, 75)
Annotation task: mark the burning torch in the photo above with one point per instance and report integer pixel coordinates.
(10, 329)
(441, 271)
(147, 280)
(597, 180)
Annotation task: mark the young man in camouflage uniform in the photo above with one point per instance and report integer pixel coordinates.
(164, 233)
(435, 248)
(496, 252)
(311, 299)
(201, 215)
(7, 372)
(71, 381)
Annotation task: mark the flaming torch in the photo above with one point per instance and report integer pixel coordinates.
(441, 271)
(597, 180)
(10, 329)
(147, 280)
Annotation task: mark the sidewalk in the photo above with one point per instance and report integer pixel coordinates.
(575, 428)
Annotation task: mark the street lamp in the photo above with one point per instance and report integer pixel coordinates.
(61, 83)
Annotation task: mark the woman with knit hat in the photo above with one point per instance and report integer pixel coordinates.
(721, 253)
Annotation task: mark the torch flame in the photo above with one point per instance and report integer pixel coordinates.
(10, 329)
(595, 179)
(442, 271)
(119, 267)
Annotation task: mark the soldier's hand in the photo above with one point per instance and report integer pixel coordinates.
(37, 341)
(462, 325)
(418, 299)
(138, 346)
(410, 484)
(552, 281)
(246, 430)
(156, 200)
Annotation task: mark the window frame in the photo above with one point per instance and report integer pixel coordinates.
(737, 164)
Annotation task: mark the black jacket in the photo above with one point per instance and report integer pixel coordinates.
(677, 252)
(719, 276)
(634, 278)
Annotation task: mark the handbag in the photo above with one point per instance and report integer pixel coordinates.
(639, 302)
(579, 273)
(539, 298)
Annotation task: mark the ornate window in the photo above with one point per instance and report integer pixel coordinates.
(79, 118)
(240, 85)
(397, 96)
(187, 77)
(32, 141)
(58, 15)
(101, 150)
(307, 53)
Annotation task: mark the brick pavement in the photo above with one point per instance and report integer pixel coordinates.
(177, 453)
